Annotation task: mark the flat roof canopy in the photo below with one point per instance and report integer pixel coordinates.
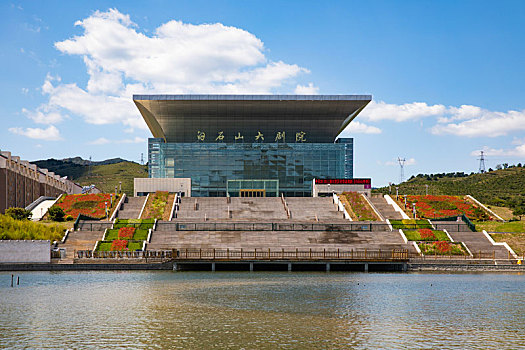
(182, 118)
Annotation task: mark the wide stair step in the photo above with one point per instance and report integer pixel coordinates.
(131, 208)
(385, 209)
(80, 240)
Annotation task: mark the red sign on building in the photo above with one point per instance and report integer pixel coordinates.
(343, 181)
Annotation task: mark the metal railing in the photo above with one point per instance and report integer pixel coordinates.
(294, 254)
(147, 254)
(270, 226)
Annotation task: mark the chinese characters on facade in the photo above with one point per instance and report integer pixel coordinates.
(279, 136)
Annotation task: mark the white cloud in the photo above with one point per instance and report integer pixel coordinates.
(49, 134)
(410, 161)
(356, 127)
(309, 89)
(25, 91)
(44, 115)
(377, 111)
(133, 140)
(466, 120)
(105, 141)
(99, 141)
(177, 58)
(518, 151)
(478, 122)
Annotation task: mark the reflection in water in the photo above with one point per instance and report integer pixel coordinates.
(261, 310)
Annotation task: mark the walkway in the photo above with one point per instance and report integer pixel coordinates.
(131, 208)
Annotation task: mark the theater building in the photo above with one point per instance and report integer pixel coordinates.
(250, 145)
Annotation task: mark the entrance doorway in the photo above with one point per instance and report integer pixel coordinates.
(252, 193)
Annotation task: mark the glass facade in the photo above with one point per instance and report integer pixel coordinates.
(211, 165)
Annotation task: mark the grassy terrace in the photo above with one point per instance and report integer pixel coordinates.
(441, 248)
(138, 235)
(158, 206)
(515, 240)
(426, 235)
(358, 207)
(496, 226)
(410, 224)
(144, 224)
(126, 235)
(105, 246)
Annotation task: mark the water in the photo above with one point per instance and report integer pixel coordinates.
(200, 310)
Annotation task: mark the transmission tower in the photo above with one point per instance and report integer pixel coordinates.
(401, 162)
(481, 162)
(142, 159)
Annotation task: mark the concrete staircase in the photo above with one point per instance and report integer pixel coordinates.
(276, 240)
(308, 208)
(264, 209)
(384, 208)
(475, 241)
(131, 208)
(80, 240)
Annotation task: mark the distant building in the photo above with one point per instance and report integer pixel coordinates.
(21, 182)
(250, 145)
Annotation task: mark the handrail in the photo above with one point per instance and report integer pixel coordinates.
(381, 217)
(173, 206)
(254, 254)
(117, 208)
(143, 206)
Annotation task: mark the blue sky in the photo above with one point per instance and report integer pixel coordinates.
(447, 77)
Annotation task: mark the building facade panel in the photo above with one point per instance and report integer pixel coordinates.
(211, 165)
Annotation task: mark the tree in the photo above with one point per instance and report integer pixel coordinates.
(18, 213)
(56, 213)
(519, 211)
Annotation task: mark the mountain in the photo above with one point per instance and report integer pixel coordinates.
(503, 187)
(104, 174)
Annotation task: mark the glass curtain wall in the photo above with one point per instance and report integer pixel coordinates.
(211, 165)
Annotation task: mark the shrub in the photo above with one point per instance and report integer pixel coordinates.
(56, 213)
(18, 213)
(24, 229)
(69, 218)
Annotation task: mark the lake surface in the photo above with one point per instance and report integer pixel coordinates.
(201, 310)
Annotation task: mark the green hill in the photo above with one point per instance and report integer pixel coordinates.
(504, 187)
(105, 174)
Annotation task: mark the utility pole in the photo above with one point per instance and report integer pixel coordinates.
(481, 162)
(401, 162)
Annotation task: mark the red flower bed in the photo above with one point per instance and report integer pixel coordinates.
(92, 205)
(426, 234)
(126, 232)
(443, 247)
(434, 207)
(119, 244)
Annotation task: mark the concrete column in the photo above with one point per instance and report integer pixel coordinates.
(327, 267)
(175, 267)
(366, 267)
(251, 267)
(289, 267)
(213, 267)
(405, 267)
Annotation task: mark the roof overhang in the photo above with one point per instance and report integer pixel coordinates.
(178, 118)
